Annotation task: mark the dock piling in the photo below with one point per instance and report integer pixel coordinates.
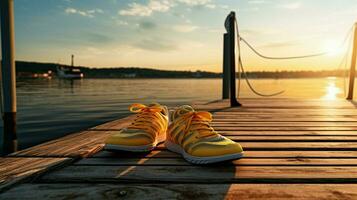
(231, 56)
(226, 67)
(8, 77)
(353, 66)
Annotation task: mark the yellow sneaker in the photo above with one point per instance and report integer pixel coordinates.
(147, 130)
(191, 135)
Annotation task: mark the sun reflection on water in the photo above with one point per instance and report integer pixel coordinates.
(332, 91)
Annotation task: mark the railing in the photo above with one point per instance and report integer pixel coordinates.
(229, 61)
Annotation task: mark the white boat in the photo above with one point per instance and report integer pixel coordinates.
(69, 72)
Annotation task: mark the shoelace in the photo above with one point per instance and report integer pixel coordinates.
(197, 121)
(145, 118)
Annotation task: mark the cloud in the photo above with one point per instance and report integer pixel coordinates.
(206, 3)
(136, 9)
(143, 10)
(291, 6)
(198, 3)
(184, 28)
(156, 44)
(84, 13)
(257, 2)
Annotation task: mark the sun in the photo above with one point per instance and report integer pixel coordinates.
(332, 47)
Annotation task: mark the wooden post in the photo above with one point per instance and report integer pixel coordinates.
(8, 76)
(353, 66)
(226, 67)
(231, 32)
(72, 60)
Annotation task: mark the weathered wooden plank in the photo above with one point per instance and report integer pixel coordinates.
(279, 104)
(284, 124)
(300, 146)
(242, 162)
(247, 154)
(203, 174)
(282, 115)
(77, 145)
(81, 144)
(277, 138)
(296, 138)
(270, 128)
(183, 191)
(275, 132)
(15, 170)
(317, 112)
(292, 146)
(287, 118)
(284, 128)
(286, 133)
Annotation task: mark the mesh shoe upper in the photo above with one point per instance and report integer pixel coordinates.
(149, 124)
(192, 131)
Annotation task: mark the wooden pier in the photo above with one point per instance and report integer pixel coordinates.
(294, 148)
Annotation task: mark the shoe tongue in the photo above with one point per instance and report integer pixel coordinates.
(181, 111)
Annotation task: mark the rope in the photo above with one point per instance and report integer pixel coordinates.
(345, 62)
(282, 58)
(238, 60)
(241, 68)
(252, 88)
(293, 57)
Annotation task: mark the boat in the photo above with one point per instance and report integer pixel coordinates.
(67, 72)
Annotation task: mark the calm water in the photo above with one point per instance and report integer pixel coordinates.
(50, 108)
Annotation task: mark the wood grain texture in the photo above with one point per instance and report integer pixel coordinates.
(247, 154)
(82, 144)
(289, 143)
(293, 146)
(183, 191)
(203, 174)
(286, 133)
(15, 170)
(242, 162)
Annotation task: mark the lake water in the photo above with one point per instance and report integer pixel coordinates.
(50, 108)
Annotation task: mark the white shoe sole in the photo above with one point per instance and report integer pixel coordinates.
(200, 160)
(143, 148)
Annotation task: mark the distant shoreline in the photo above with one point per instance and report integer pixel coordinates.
(28, 69)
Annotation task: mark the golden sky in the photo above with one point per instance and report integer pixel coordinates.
(181, 34)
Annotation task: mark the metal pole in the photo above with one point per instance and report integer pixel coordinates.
(72, 60)
(230, 26)
(226, 67)
(8, 76)
(353, 66)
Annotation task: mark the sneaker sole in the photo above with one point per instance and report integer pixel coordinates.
(200, 160)
(143, 148)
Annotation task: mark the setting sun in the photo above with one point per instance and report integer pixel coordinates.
(333, 47)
